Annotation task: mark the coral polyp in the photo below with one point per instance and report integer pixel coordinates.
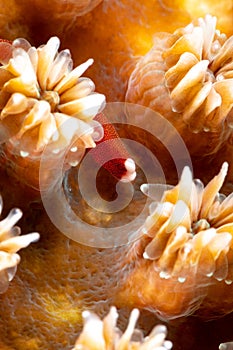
(191, 72)
(103, 334)
(185, 253)
(199, 75)
(39, 93)
(45, 104)
(191, 229)
(10, 243)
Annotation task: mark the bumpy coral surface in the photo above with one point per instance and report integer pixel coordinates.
(19, 18)
(97, 334)
(64, 10)
(60, 14)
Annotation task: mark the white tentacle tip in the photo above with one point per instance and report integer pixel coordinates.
(226, 346)
(130, 171)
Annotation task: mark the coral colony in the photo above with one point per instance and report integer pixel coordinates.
(182, 261)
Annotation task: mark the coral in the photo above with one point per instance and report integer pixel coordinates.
(187, 77)
(191, 228)
(199, 75)
(46, 104)
(187, 248)
(110, 71)
(41, 91)
(47, 110)
(97, 334)
(57, 278)
(54, 292)
(10, 243)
